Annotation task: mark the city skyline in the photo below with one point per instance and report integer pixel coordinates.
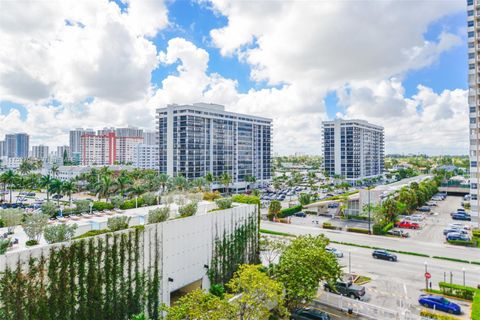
(411, 79)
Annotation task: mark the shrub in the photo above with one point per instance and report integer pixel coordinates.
(471, 243)
(377, 229)
(82, 206)
(59, 233)
(100, 206)
(4, 244)
(431, 315)
(34, 225)
(224, 203)
(328, 225)
(218, 290)
(2, 224)
(290, 211)
(388, 227)
(188, 209)
(130, 204)
(456, 290)
(244, 198)
(476, 233)
(118, 223)
(30, 243)
(149, 198)
(158, 215)
(358, 230)
(476, 305)
(49, 208)
(117, 201)
(11, 218)
(92, 233)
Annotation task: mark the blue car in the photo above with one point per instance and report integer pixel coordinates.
(439, 303)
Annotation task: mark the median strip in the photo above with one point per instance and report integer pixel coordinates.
(285, 234)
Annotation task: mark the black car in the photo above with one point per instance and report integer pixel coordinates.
(300, 214)
(309, 314)
(384, 255)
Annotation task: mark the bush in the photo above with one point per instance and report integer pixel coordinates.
(49, 208)
(290, 211)
(100, 206)
(377, 229)
(224, 203)
(451, 259)
(358, 230)
(211, 196)
(158, 215)
(30, 243)
(11, 218)
(118, 223)
(456, 290)
(117, 201)
(130, 204)
(244, 198)
(431, 315)
(2, 224)
(82, 206)
(388, 227)
(463, 243)
(217, 290)
(4, 244)
(59, 233)
(149, 199)
(188, 209)
(328, 225)
(476, 233)
(92, 233)
(476, 305)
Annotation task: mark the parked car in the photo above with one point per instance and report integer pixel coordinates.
(460, 210)
(309, 313)
(348, 289)
(398, 233)
(336, 252)
(461, 216)
(407, 225)
(384, 255)
(457, 236)
(333, 205)
(453, 229)
(466, 197)
(439, 303)
(300, 214)
(415, 217)
(424, 209)
(431, 204)
(460, 226)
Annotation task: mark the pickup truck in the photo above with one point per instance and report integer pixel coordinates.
(346, 288)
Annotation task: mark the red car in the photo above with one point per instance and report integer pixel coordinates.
(407, 225)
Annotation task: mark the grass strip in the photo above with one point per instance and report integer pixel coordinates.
(451, 259)
(277, 233)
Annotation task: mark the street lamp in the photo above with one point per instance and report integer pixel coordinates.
(463, 270)
(369, 207)
(91, 206)
(136, 202)
(350, 263)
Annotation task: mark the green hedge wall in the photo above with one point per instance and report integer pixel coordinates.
(100, 206)
(358, 230)
(290, 211)
(456, 290)
(476, 305)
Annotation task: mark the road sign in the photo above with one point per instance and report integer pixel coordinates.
(428, 275)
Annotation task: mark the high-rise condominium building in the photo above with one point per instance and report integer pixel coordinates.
(108, 149)
(2, 148)
(203, 138)
(353, 149)
(40, 152)
(473, 12)
(17, 145)
(76, 142)
(145, 156)
(150, 137)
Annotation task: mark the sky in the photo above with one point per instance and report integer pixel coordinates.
(401, 64)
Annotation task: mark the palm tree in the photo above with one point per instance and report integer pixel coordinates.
(25, 167)
(250, 179)
(55, 188)
(163, 180)
(225, 180)
(9, 178)
(68, 188)
(122, 183)
(209, 178)
(199, 183)
(103, 187)
(180, 182)
(136, 190)
(45, 182)
(54, 170)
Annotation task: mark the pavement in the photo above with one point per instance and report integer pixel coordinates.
(397, 285)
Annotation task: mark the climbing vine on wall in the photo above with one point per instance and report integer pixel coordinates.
(233, 249)
(91, 279)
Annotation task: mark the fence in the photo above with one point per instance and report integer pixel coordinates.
(364, 309)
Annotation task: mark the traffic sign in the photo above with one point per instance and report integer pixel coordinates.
(428, 275)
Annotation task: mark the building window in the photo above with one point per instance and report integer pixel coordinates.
(471, 45)
(471, 55)
(471, 66)
(469, 2)
(473, 164)
(470, 23)
(471, 34)
(470, 13)
(473, 120)
(472, 109)
(473, 186)
(473, 196)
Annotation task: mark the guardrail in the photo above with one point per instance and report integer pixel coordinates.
(364, 309)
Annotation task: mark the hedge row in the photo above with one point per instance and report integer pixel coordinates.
(471, 243)
(358, 230)
(476, 305)
(456, 290)
(290, 211)
(328, 225)
(431, 315)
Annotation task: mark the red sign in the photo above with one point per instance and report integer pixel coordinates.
(428, 275)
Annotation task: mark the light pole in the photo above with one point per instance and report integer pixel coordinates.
(369, 207)
(463, 271)
(136, 202)
(91, 206)
(350, 263)
(426, 279)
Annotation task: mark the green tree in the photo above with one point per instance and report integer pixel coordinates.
(274, 209)
(69, 188)
(104, 187)
(199, 305)
(59, 233)
(49, 209)
(303, 264)
(118, 223)
(45, 182)
(209, 178)
(122, 183)
(34, 225)
(11, 218)
(8, 179)
(256, 293)
(225, 180)
(188, 209)
(304, 199)
(158, 215)
(163, 180)
(56, 188)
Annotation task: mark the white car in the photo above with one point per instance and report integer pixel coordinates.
(415, 217)
(460, 226)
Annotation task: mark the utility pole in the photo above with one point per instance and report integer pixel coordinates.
(369, 208)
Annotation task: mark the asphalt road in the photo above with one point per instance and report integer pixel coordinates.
(412, 245)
